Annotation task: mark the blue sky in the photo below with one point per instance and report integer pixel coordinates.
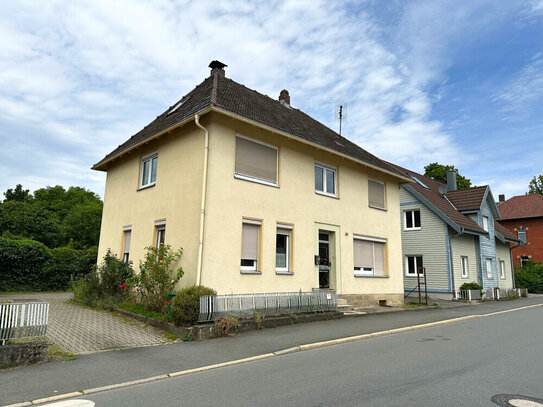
(458, 82)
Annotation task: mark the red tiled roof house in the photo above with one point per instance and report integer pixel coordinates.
(523, 216)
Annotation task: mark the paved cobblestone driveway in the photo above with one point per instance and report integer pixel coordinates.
(82, 330)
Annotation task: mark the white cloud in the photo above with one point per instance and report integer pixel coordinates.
(526, 87)
(79, 78)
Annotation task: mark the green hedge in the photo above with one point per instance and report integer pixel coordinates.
(186, 304)
(21, 264)
(530, 276)
(65, 263)
(28, 265)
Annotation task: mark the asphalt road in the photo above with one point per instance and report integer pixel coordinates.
(462, 364)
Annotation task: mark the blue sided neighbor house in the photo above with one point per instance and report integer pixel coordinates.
(454, 235)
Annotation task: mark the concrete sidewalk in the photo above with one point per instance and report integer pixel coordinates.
(105, 368)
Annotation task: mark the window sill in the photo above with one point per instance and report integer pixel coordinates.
(409, 229)
(378, 207)
(255, 180)
(326, 194)
(284, 273)
(366, 276)
(250, 272)
(414, 276)
(465, 277)
(146, 186)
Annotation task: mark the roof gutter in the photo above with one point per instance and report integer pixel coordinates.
(288, 135)
(203, 200)
(99, 166)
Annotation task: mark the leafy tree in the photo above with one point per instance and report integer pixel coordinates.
(536, 185)
(60, 201)
(82, 225)
(25, 220)
(18, 194)
(439, 173)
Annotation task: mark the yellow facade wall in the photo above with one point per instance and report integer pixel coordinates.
(294, 202)
(503, 252)
(175, 197)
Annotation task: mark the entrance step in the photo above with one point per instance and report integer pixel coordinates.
(343, 305)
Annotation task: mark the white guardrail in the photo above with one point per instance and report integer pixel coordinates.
(20, 319)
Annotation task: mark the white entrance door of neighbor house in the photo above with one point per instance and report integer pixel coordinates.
(324, 262)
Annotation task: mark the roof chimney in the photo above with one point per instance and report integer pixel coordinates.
(501, 197)
(217, 67)
(284, 97)
(451, 180)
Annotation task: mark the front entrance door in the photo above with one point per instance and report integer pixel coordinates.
(324, 256)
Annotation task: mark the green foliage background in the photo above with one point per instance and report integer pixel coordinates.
(439, 173)
(47, 237)
(530, 276)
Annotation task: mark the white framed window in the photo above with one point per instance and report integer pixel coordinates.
(325, 180)
(160, 226)
(148, 170)
(485, 223)
(412, 264)
(522, 235)
(488, 263)
(376, 194)
(502, 269)
(250, 240)
(283, 248)
(256, 161)
(465, 266)
(127, 235)
(369, 256)
(412, 220)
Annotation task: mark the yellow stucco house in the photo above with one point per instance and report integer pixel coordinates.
(260, 196)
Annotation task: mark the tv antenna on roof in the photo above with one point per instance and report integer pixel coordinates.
(340, 113)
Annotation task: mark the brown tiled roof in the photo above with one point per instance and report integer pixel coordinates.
(502, 230)
(523, 206)
(196, 100)
(439, 201)
(467, 199)
(220, 92)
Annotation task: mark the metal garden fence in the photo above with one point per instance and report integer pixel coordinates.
(246, 305)
(23, 319)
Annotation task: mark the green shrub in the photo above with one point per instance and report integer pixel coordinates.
(186, 304)
(21, 264)
(471, 286)
(227, 326)
(66, 263)
(530, 276)
(156, 278)
(106, 285)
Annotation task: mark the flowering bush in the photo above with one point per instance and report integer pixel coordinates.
(158, 276)
(105, 286)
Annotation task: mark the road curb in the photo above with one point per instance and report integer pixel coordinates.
(294, 349)
(125, 384)
(57, 397)
(218, 365)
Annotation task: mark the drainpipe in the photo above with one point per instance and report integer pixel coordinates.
(203, 201)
